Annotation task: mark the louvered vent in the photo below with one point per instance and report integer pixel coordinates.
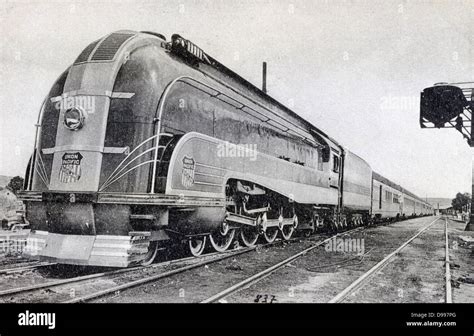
(86, 52)
(108, 48)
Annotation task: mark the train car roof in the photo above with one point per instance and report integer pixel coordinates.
(395, 186)
(358, 156)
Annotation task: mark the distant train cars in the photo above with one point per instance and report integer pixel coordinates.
(391, 201)
(145, 143)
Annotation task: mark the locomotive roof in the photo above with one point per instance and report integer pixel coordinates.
(206, 63)
(197, 57)
(395, 186)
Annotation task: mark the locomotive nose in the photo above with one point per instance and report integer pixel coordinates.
(84, 108)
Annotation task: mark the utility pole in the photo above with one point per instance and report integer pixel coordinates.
(470, 224)
(264, 77)
(451, 105)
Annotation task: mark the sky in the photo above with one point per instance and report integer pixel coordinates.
(355, 69)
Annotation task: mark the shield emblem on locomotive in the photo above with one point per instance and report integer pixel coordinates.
(70, 170)
(187, 175)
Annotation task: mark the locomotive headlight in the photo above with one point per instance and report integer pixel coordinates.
(74, 118)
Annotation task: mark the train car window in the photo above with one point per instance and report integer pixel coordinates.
(293, 152)
(263, 143)
(320, 159)
(335, 163)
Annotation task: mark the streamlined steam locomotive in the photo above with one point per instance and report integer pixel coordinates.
(143, 142)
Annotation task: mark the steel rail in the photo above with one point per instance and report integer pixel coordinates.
(20, 290)
(449, 298)
(23, 268)
(14, 291)
(221, 256)
(360, 281)
(157, 276)
(263, 274)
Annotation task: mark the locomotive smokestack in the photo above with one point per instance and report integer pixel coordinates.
(264, 77)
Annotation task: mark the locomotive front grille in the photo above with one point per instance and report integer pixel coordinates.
(109, 47)
(84, 56)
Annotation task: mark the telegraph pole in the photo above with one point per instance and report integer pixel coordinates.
(470, 224)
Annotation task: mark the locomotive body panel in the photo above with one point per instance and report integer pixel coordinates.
(199, 167)
(386, 201)
(357, 183)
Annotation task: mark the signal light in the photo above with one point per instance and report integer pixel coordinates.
(441, 104)
(448, 106)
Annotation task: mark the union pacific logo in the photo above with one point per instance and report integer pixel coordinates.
(187, 174)
(70, 170)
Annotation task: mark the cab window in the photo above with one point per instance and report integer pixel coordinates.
(335, 160)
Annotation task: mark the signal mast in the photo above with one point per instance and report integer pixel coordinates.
(450, 105)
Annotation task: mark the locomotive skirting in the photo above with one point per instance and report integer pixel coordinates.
(98, 250)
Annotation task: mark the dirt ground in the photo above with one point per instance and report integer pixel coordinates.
(320, 276)
(415, 275)
(461, 256)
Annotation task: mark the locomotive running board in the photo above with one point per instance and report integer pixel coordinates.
(114, 198)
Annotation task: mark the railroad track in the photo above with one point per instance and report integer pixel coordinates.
(447, 276)
(132, 281)
(60, 284)
(215, 258)
(266, 272)
(195, 263)
(367, 276)
(9, 262)
(22, 268)
(12, 265)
